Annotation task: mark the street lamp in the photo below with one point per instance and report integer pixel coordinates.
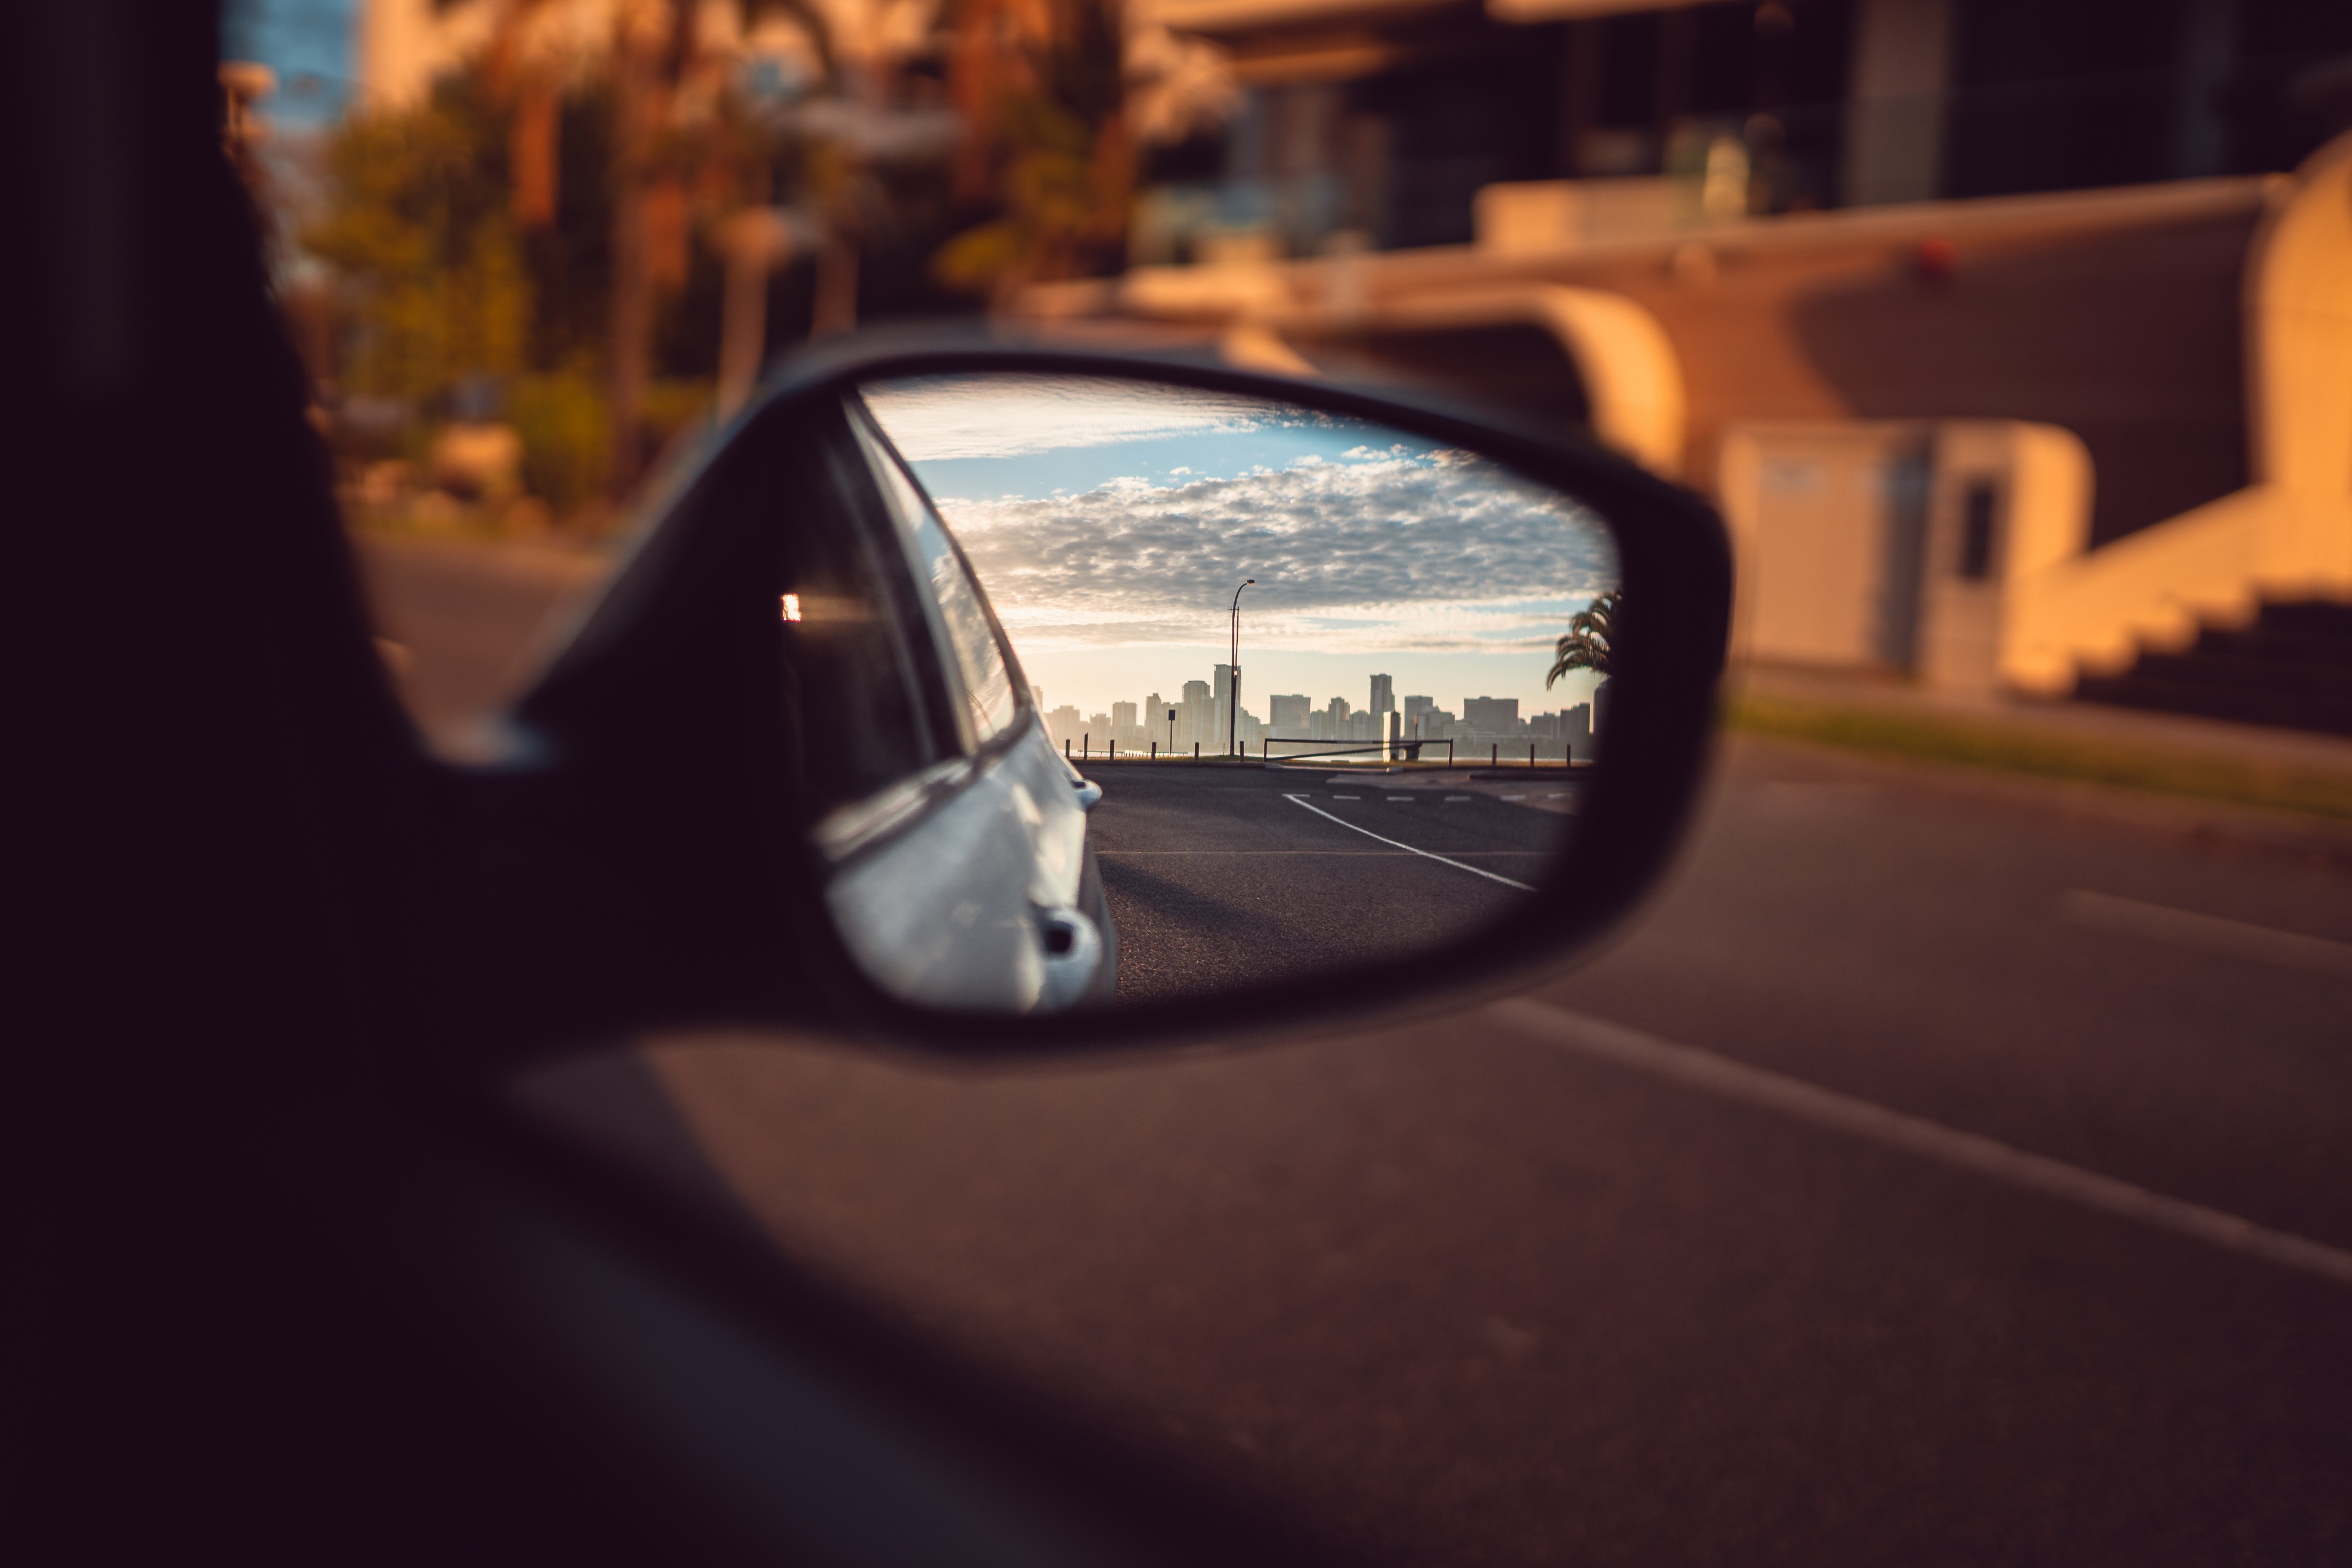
(1233, 685)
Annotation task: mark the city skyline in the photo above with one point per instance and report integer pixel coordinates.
(1174, 717)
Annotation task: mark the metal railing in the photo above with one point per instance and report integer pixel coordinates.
(1388, 749)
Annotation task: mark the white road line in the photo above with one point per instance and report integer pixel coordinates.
(1302, 801)
(1718, 1075)
(2208, 933)
(1334, 797)
(1457, 797)
(1399, 799)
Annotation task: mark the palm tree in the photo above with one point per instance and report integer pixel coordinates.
(1587, 642)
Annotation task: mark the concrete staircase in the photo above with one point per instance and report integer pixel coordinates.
(2292, 667)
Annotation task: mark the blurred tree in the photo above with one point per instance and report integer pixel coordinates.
(1061, 96)
(420, 227)
(1038, 83)
(1587, 644)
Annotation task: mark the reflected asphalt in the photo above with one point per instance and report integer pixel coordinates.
(1222, 876)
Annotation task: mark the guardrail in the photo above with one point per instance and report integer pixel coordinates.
(1388, 749)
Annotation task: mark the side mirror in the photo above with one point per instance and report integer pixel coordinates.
(1013, 696)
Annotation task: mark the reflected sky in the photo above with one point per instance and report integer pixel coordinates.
(1111, 521)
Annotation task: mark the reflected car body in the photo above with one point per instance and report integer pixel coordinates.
(973, 886)
(969, 884)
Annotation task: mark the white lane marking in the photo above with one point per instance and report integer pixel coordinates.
(2208, 933)
(1514, 798)
(1302, 801)
(1400, 800)
(1718, 1075)
(1334, 797)
(1457, 797)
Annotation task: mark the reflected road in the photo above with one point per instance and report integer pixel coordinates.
(1220, 876)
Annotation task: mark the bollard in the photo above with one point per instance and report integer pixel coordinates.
(1066, 748)
(1494, 754)
(1155, 751)
(1086, 746)
(1196, 750)
(1114, 749)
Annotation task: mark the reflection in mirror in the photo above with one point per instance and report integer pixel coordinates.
(1303, 694)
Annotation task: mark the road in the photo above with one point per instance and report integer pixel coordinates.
(1939, 1172)
(1220, 876)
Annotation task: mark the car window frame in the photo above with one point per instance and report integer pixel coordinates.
(877, 447)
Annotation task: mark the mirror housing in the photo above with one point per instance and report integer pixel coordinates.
(649, 747)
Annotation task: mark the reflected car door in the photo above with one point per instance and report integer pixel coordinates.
(969, 884)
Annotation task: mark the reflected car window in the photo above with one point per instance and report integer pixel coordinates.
(986, 683)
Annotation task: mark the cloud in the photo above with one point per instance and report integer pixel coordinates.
(1434, 551)
(934, 418)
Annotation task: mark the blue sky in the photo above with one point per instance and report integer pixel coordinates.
(308, 43)
(1111, 521)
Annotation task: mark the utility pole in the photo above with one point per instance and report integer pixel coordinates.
(1233, 689)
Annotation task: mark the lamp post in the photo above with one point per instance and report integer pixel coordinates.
(1233, 688)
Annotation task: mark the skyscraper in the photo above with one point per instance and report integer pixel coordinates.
(1215, 739)
(1495, 717)
(1193, 717)
(1333, 724)
(1289, 715)
(1383, 701)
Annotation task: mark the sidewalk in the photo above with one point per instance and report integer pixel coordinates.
(2274, 771)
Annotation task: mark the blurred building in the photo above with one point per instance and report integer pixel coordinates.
(1378, 122)
(1947, 301)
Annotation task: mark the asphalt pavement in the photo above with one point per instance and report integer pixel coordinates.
(1226, 876)
(1943, 1170)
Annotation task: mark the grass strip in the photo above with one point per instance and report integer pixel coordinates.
(1988, 744)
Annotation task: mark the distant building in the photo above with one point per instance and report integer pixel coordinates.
(1064, 723)
(1195, 718)
(1492, 716)
(1290, 715)
(1383, 696)
(1567, 733)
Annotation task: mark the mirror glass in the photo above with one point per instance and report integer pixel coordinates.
(1243, 693)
